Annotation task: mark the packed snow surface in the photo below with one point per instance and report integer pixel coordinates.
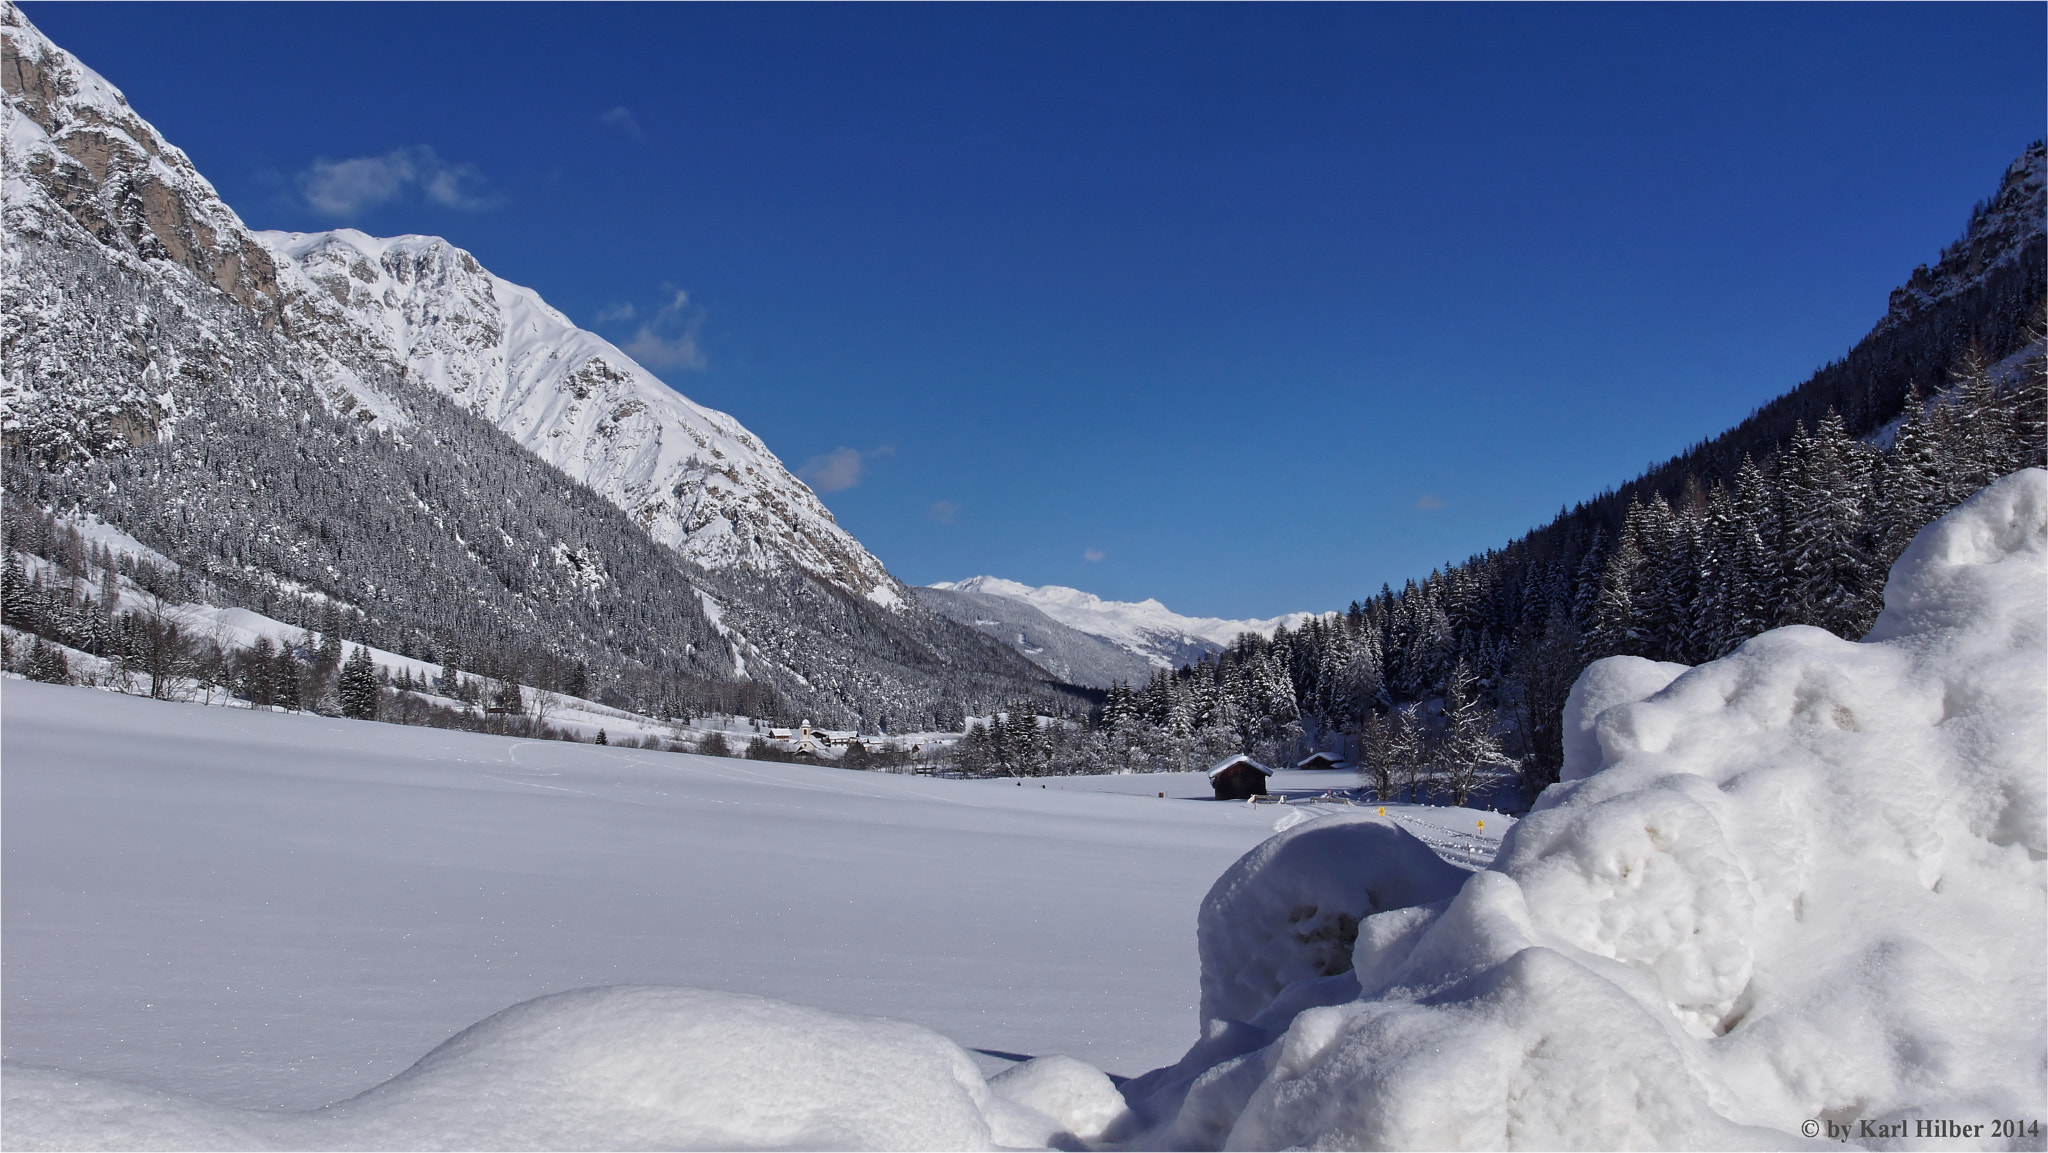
(647, 1068)
(1145, 627)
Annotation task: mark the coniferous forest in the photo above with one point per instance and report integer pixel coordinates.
(1793, 517)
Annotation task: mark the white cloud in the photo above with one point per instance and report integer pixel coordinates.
(668, 339)
(943, 511)
(620, 119)
(616, 312)
(1428, 503)
(1093, 554)
(840, 469)
(349, 188)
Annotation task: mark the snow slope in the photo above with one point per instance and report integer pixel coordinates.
(1147, 628)
(1067, 653)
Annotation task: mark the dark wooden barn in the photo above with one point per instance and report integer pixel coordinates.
(1238, 777)
(1319, 761)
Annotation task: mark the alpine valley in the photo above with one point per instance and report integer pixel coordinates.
(380, 436)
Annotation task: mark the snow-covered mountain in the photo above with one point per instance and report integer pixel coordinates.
(1164, 638)
(312, 424)
(1069, 654)
(361, 310)
(694, 479)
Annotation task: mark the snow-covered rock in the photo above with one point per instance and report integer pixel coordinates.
(1805, 883)
(1164, 638)
(1076, 1101)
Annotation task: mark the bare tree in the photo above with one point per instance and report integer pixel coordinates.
(167, 650)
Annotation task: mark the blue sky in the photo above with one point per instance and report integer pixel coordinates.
(1246, 308)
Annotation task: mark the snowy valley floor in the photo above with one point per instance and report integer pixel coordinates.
(279, 911)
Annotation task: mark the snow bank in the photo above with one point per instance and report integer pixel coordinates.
(1062, 1103)
(1289, 910)
(613, 1068)
(1805, 882)
(1607, 682)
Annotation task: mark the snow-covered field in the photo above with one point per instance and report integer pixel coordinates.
(1798, 892)
(273, 910)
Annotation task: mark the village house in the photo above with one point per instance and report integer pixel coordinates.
(806, 741)
(1238, 777)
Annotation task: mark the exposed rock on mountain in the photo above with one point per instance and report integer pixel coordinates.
(2004, 231)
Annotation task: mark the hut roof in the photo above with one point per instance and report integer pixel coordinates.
(1312, 758)
(1238, 759)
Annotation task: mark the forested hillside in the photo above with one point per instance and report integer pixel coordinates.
(1792, 517)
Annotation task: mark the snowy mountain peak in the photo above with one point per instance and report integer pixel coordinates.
(1164, 638)
(695, 479)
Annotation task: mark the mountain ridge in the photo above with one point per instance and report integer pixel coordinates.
(1147, 628)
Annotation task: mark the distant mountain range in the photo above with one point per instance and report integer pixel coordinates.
(1085, 639)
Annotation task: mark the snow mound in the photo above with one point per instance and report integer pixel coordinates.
(1289, 910)
(1607, 682)
(1077, 1102)
(628, 1067)
(1805, 882)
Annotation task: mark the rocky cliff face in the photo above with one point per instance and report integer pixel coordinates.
(72, 135)
(2004, 231)
(83, 169)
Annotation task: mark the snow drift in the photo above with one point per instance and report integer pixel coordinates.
(1804, 882)
(617, 1068)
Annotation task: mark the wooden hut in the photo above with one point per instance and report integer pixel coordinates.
(1319, 761)
(1236, 777)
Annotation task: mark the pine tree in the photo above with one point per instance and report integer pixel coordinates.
(1468, 749)
(287, 681)
(1823, 495)
(1617, 625)
(357, 687)
(1911, 482)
